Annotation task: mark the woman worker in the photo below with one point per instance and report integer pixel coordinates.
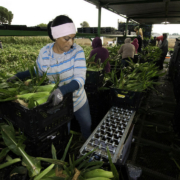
(136, 45)
(139, 34)
(128, 51)
(65, 59)
(101, 52)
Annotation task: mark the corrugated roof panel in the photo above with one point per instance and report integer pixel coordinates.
(144, 11)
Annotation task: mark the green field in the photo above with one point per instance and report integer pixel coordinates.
(20, 52)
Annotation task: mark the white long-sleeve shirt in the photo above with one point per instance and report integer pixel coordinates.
(68, 66)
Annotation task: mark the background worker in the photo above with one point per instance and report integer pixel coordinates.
(159, 39)
(65, 59)
(128, 51)
(139, 34)
(101, 52)
(136, 44)
(164, 47)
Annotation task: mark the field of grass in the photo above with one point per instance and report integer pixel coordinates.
(20, 52)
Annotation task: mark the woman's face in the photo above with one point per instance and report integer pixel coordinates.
(64, 44)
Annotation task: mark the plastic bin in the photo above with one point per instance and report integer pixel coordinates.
(99, 106)
(125, 99)
(42, 148)
(93, 87)
(94, 79)
(40, 121)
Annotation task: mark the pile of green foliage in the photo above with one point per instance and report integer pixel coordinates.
(80, 168)
(136, 77)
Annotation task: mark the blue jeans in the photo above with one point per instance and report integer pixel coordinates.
(83, 117)
(124, 62)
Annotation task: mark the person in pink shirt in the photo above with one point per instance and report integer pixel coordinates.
(135, 43)
(159, 39)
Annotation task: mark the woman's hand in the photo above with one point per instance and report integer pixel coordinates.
(56, 97)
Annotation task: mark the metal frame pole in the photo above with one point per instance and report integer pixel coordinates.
(99, 20)
(126, 27)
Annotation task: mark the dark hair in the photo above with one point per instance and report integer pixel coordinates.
(62, 19)
(164, 35)
(49, 31)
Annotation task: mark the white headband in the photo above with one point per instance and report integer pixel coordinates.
(63, 30)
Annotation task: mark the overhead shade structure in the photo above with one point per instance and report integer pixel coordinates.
(144, 11)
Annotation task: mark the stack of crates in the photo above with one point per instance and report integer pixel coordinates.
(98, 99)
(99, 105)
(42, 125)
(94, 30)
(94, 80)
(125, 99)
(109, 30)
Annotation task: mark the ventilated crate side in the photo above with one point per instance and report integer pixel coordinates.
(38, 122)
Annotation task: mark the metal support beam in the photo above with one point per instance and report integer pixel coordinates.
(99, 20)
(110, 9)
(166, 9)
(87, 35)
(154, 17)
(22, 33)
(126, 27)
(132, 2)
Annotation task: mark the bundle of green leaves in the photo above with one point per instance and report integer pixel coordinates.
(136, 77)
(150, 53)
(29, 93)
(80, 168)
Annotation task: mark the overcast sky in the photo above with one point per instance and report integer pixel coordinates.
(34, 12)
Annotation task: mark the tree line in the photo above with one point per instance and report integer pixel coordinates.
(5, 16)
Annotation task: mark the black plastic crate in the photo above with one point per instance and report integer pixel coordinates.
(2, 27)
(42, 148)
(136, 58)
(121, 27)
(94, 77)
(15, 27)
(41, 121)
(80, 30)
(43, 28)
(153, 42)
(125, 99)
(145, 43)
(99, 103)
(87, 30)
(93, 87)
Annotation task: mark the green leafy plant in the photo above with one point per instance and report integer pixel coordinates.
(80, 168)
(15, 144)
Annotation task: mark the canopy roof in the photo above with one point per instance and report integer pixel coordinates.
(144, 11)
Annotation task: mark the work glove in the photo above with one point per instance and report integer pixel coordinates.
(13, 78)
(56, 96)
